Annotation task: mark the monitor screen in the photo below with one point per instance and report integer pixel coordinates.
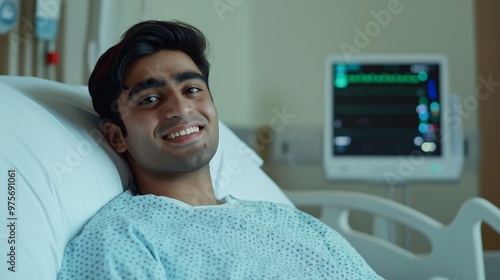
(386, 116)
(386, 109)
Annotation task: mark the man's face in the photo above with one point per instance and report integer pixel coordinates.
(169, 115)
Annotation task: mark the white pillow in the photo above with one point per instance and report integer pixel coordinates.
(57, 171)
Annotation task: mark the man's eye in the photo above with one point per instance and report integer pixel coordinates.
(192, 90)
(148, 100)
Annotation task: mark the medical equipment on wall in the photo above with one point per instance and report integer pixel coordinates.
(391, 119)
(47, 14)
(8, 15)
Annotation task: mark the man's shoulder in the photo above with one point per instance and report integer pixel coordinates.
(119, 205)
(120, 210)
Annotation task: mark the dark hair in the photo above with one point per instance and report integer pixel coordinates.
(145, 38)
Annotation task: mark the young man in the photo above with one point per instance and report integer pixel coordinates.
(152, 91)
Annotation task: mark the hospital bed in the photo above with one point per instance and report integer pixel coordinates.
(57, 171)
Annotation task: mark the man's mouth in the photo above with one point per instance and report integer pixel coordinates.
(184, 132)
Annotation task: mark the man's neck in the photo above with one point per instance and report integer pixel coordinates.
(192, 188)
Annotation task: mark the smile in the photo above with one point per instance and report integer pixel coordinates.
(187, 131)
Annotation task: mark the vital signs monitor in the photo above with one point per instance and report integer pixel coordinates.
(390, 118)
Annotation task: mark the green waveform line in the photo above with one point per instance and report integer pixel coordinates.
(343, 80)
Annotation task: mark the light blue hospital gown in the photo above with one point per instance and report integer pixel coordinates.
(153, 237)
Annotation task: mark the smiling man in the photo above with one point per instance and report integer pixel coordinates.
(151, 90)
(172, 127)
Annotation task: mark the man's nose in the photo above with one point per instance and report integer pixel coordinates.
(176, 106)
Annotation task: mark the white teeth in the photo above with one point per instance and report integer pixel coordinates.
(188, 130)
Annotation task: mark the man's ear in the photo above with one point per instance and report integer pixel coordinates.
(114, 135)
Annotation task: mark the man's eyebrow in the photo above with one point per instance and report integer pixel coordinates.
(144, 85)
(188, 75)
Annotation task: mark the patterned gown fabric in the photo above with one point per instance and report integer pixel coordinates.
(153, 237)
